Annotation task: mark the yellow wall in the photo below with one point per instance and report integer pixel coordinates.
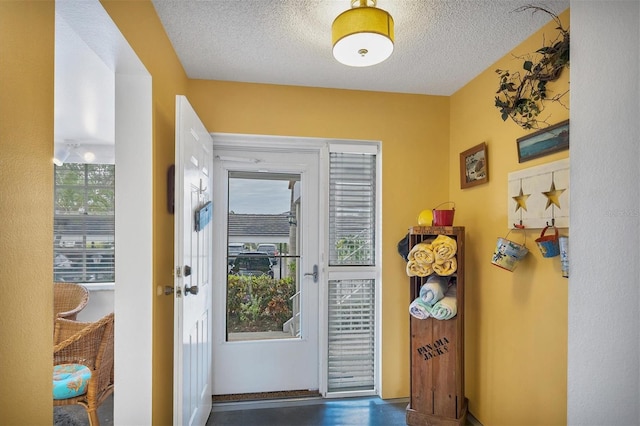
(414, 134)
(138, 22)
(516, 322)
(26, 211)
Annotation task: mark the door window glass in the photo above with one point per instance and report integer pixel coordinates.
(262, 256)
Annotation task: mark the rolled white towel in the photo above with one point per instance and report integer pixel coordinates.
(447, 307)
(434, 289)
(418, 309)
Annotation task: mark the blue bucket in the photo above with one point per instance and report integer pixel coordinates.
(509, 253)
(548, 244)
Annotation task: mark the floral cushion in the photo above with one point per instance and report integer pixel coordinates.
(70, 380)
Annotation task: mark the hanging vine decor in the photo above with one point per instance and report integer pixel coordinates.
(521, 97)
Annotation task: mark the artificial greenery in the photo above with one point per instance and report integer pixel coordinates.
(522, 94)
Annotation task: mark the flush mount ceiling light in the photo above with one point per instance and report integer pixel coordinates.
(74, 152)
(60, 155)
(363, 35)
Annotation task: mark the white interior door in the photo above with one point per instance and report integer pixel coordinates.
(192, 270)
(284, 356)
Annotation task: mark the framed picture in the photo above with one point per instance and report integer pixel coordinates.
(544, 142)
(474, 166)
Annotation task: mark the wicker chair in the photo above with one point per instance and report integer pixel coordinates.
(68, 300)
(89, 344)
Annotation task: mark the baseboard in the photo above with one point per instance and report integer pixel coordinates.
(473, 420)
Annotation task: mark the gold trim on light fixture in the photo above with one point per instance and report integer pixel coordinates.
(363, 35)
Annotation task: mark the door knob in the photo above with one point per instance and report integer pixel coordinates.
(190, 290)
(187, 270)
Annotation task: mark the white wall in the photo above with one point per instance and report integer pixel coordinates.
(133, 130)
(100, 304)
(84, 105)
(604, 320)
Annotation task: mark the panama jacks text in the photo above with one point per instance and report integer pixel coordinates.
(437, 348)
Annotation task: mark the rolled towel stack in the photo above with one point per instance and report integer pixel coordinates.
(444, 309)
(438, 256)
(434, 289)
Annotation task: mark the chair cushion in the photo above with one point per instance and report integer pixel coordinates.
(70, 380)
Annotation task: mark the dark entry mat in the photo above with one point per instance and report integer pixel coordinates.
(266, 395)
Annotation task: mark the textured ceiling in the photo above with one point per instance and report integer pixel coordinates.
(440, 44)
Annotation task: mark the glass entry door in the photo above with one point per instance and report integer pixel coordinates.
(266, 292)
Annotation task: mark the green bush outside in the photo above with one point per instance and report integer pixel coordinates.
(258, 303)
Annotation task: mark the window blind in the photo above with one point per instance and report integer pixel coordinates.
(84, 223)
(352, 208)
(351, 357)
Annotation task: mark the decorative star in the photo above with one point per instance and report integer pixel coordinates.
(553, 195)
(521, 200)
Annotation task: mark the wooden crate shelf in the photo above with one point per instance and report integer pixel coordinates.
(437, 349)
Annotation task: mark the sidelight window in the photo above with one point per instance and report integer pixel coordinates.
(353, 271)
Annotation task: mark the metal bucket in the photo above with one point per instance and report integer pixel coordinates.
(509, 253)
(563, 242)
(443, 217)
(548, 244)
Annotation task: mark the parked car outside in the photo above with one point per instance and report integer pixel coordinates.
(269, 249)
(233, 249)
(252, 264)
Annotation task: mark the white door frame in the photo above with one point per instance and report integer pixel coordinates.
(248, 143)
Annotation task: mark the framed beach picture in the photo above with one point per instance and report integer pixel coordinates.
(544, 142)
(474, 167)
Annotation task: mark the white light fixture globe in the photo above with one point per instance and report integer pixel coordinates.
(60, 155)
(363, 35)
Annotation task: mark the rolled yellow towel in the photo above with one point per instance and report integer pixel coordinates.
(446, 267)
(444, 248)
(419, 269)
(421, 253)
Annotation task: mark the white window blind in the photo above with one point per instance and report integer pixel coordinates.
(351, 356)
(352, 208)
(84, 223)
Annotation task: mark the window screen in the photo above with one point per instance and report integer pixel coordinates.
(84, 223)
